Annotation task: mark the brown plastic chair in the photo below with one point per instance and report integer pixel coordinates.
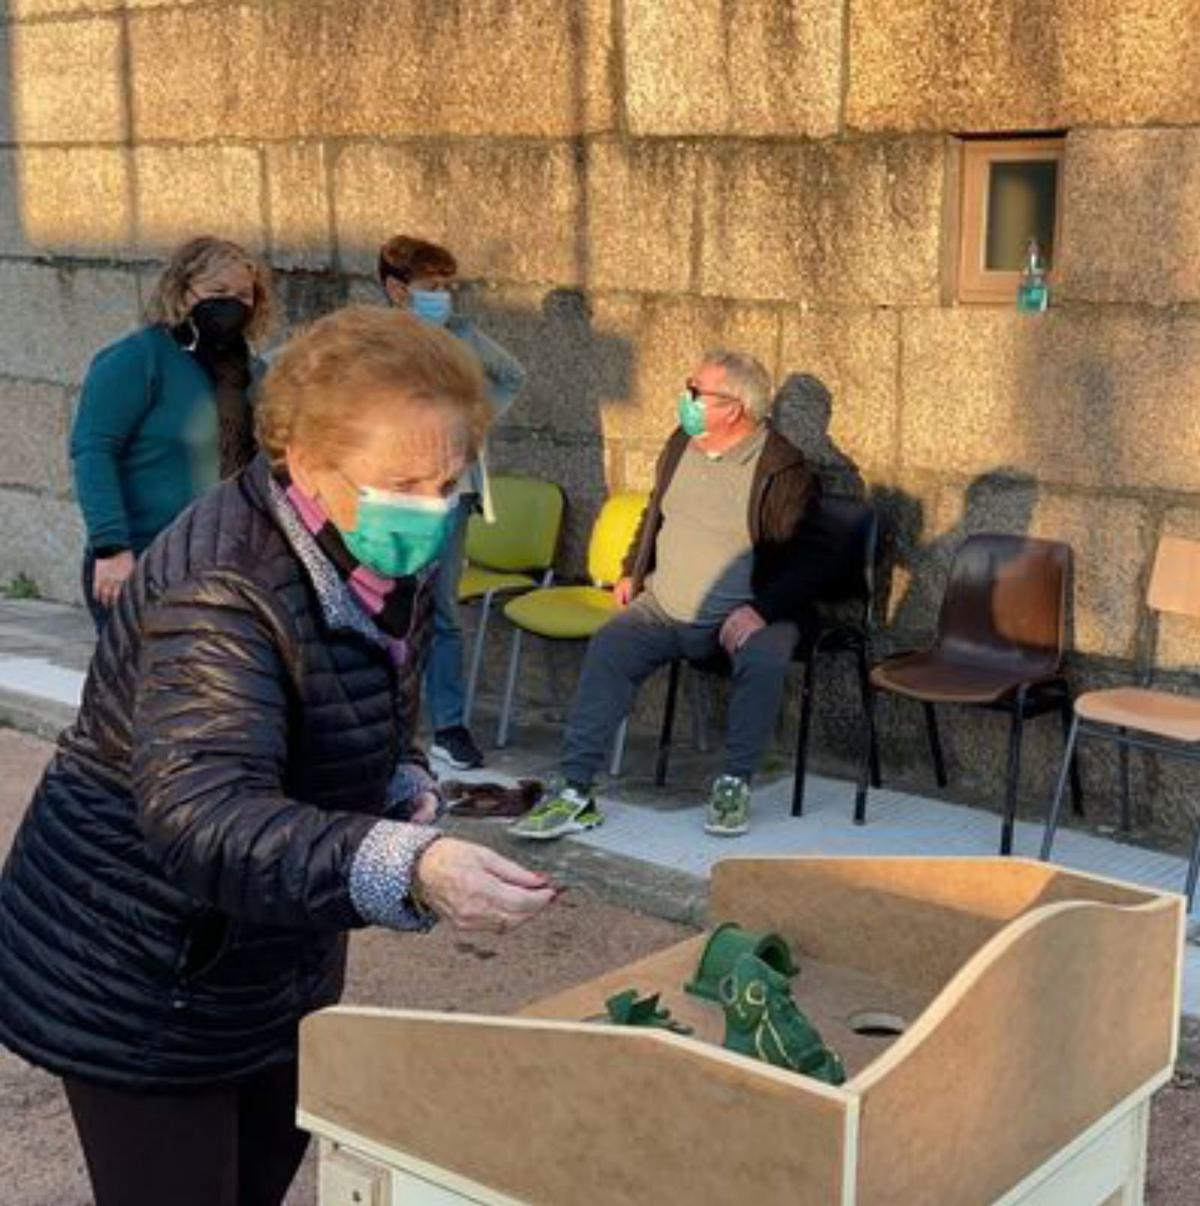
(1162, 721)
(999, 645)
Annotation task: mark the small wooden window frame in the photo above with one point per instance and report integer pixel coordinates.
(977, 285)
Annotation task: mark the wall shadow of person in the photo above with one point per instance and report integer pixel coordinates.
(803, 412)
(555, 429)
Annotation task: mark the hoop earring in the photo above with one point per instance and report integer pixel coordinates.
(195, 332)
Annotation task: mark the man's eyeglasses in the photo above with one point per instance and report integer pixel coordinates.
(696, 393)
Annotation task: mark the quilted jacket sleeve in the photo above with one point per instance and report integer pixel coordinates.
(210, 750)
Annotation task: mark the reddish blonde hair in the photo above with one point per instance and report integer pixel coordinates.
(313, 395)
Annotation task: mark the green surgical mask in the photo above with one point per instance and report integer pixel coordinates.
(398, 534)
(691, 414)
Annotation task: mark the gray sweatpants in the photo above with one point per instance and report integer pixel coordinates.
(640, 639)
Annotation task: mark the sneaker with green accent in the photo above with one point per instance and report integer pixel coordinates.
(728, 807)
(560, 811)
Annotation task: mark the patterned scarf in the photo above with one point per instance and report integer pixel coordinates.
(388, 601)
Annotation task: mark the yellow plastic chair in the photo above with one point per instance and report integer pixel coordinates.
(1145, 717)
(575, 613)
(513, 554)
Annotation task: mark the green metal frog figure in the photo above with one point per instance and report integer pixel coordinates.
(762, 1021)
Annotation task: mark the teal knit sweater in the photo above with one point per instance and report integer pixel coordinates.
(145, 440)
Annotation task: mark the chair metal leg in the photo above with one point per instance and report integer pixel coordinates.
(618, 750)
(510, 687)
(808, 684)
(1059, 788)
(699, 710)
(868, 706)
(1012, 787)
(1068, 717)
(552, 675)
(668, 725)
(485, 611)
(1193, 873)
(935, 744)
(1123, 766)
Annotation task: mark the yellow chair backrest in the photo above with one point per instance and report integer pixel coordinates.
(525, 535)
(612, 535)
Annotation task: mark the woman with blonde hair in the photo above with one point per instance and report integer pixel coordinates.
(165, 412)
(241, 787)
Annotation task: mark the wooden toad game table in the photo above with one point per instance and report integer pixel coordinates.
(1040, 1011)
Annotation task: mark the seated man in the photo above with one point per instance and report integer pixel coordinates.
(720, 562)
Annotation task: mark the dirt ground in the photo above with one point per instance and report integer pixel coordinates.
(40, 1163)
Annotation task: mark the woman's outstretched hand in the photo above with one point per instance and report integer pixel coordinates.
(475, 888)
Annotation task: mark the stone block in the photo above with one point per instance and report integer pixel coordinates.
(1178, 635)
(65, 81)
(66, 200)
(634, 188)
(303, 297)
(187, 191)
(1164, 794)
(35, 419)
(42, 538)
(510, 212)
(744, 67)
(638, 464)
(1110, 539)
(54, 319)
(576, 463)
(1131, 218)
(839, 401)
(1082, 397)
(484, 68)
(7, 118)
(577, 363)
(852, 223)
(999, 66)
(12, 223)
(197, 78)
(24, 10)
(374, 68)
(299, 205)
(665, 338)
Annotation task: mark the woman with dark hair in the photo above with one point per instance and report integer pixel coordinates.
(241, 787)
(165, 412)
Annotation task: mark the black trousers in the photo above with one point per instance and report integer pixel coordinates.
(231, 1145)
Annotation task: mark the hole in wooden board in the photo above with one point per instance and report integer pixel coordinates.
(876, 1023)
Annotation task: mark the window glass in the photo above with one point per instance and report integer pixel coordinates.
(1020, 207)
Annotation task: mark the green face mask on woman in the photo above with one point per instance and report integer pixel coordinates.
(398, 534)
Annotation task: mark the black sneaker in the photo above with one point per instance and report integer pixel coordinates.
(456, 747)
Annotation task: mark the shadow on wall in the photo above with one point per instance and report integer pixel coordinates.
(803, 413)
(556, 430)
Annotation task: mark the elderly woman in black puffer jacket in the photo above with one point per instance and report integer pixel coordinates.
(241, 787)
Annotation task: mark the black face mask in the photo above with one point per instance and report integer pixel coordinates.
(220, 321)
